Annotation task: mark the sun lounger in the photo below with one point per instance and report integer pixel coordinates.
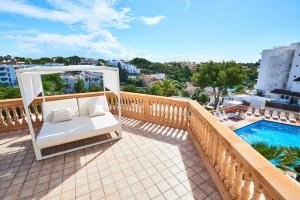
(257, 112)
(282, 116)
(218, 115)
(292, 117)
(249, 111)
(275, 114)
(267, 114)
(225, 117)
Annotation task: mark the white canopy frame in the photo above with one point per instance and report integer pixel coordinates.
(30, 84)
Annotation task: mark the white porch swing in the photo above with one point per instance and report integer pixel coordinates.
(72, 119)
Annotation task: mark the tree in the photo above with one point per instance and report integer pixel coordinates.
(269, 152)
(156, 89)
(7, 92)
(164, 88)
(200, 97)
(218, 76)
(240, 89)
(142, 90)
(123, 74)
(53, 83)
(185, 93)
(140, 62)
(74, 60)
(79, 86)
(95, 88)
(129, 88)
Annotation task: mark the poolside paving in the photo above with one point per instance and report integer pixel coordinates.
(149, 162)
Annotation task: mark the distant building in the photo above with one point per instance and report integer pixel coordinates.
(70, 80)
(91, 79)
(131, 69)
(279, 73)
(8, 73)
(88, 61)
(150, 79)
(53, 64)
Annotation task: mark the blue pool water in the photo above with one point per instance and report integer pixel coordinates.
(272, 133)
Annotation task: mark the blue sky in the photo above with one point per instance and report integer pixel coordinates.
(160, 30)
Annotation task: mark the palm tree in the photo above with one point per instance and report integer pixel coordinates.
(267, 151)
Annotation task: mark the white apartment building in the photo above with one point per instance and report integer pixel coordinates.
(70, 80)
(8, 73)
(150, 79)
(279, 73)
(131, 69)
(91, 79)
(88, 61)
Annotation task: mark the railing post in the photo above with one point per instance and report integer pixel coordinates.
(146, 108)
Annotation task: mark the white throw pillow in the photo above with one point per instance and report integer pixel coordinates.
(95, 110)
(61, 115)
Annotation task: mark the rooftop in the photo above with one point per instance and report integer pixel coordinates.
(150, 162)
(171, 149)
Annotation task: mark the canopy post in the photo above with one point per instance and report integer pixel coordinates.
(29, 122)
(119, 97)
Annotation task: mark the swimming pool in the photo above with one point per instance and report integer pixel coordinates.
(272, 133)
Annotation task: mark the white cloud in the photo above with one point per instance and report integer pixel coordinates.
(101, 43)
(91, 15)
(151, 20)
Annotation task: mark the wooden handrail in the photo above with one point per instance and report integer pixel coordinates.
(238, 171)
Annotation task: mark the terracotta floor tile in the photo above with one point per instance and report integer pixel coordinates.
(150, 161)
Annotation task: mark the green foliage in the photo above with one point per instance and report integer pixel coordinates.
(129, 88)
(53, 83)
(269, 152)
(123, 75)
(79, 86)
(185, 93)
(176, 71)
(200, 97)
(7, 92)
(135, 81)
(142, 90)
(286, 157)
(156, 89)
(240, 89)
(219, 76)
(95, 88)
(163, 88)
(141, 63)
(251, 74)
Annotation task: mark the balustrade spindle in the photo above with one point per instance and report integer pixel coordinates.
(257, 191)
(204, 135)
(8, 117)
(245, 194)
(220, 159)
(23, 115)
(2, 122)
(237, 183)
(231, 174)
(225, 168)
(267, 196)
(16, 116)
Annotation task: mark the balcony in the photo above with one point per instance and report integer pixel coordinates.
(171, 149)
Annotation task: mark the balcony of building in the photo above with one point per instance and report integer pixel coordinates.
(171, 149)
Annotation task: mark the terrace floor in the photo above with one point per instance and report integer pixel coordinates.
(149, 162)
